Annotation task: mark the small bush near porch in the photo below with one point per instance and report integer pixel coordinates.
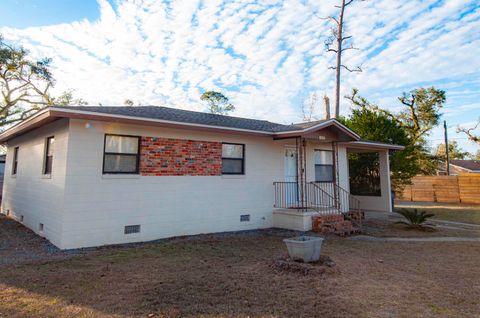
(231, 276)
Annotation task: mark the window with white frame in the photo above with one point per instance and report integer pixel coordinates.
(121, 154)
(323, 165)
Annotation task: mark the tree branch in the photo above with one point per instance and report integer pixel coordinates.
(350, 48)
(358, 69)
(328, 18)
(468, 132)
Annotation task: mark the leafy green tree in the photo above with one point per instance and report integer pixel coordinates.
(454, 152)
(24, 84)
(217, 102)
(420, 114)
(67, 99)
(376, 126)
(476, 156)
(128, 102)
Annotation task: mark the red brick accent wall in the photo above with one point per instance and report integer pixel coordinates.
(178, 157)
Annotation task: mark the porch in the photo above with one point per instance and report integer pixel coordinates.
(317, 206)
(317, 180)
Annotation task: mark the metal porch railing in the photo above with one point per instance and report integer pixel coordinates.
(323, 197)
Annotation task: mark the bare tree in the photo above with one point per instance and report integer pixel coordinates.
(339, 43)
(469, 132)
(326, 105)
(309, 107)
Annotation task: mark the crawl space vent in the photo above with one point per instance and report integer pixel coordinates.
(130, 229)
(245, 218)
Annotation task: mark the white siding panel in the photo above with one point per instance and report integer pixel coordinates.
(31, 194)
(98, 207)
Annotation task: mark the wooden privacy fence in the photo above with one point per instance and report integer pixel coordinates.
(464, 188)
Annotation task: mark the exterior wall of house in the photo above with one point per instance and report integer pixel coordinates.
(343, 176)
(383, 202)
(79, 206)
(98, 207)
(30, 194)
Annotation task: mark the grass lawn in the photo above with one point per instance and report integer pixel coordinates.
(456, 213)
(231, 276)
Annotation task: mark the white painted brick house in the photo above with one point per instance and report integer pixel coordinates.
(90, 176)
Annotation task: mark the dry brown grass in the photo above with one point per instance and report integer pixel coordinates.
(230, 276)
(447, 211)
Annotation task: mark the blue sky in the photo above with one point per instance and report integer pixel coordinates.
(28, 13)
(266, 56)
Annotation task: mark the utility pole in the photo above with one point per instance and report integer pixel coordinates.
(446, 147)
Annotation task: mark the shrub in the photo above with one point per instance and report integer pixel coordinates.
(415, 218)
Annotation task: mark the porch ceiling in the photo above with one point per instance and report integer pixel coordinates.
(364, 146)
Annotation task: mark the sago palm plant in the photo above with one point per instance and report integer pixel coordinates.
(415, 218)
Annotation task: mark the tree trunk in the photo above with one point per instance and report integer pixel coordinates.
(339, 60)
(326, 102)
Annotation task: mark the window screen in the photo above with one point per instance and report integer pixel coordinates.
(323, 166)
(121, 154)
(233, 161)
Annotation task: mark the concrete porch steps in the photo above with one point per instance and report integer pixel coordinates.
(329, 220)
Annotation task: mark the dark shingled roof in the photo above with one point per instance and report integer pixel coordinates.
(309, 124)
(187, 116)
(472, 165)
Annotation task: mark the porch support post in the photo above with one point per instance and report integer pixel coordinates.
(301, 164)
(342, 175)
(335, 173)
(297, 177)
(385, 183)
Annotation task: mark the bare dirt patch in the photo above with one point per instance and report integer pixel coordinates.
(288, 265)
(231, 276)
(19, 245)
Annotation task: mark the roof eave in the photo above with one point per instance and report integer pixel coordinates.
(364, 144)
(325, 124)
(38, 119)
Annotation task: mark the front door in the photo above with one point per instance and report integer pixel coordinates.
(291, 186)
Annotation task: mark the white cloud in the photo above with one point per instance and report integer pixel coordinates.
(263, 55)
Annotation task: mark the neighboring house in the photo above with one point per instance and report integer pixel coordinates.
(460, 166)
(90, 176)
